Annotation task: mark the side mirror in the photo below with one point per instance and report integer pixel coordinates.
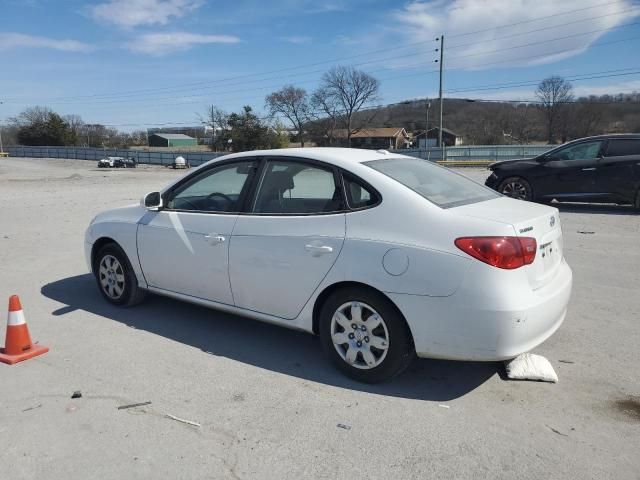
(152, 201)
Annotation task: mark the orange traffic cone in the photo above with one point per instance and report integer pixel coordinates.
(17, 345)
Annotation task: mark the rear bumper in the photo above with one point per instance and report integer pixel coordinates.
(462, 327)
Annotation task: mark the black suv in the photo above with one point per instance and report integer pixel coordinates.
(602, 169)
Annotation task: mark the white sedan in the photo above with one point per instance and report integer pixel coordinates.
(383, 256)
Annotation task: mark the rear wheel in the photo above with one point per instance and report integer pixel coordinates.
(637, 203)
(516, 187)
(115, 277)
(364, 335)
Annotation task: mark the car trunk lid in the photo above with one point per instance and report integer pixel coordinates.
(528, 220)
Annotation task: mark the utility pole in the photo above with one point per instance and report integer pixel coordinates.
(441, 100)
(426, 125)
(1, 149)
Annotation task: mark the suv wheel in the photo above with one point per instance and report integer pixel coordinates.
(516, 187)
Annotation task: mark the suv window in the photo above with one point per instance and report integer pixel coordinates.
(216, 190)
(358, 196)
(581, 151)
(296, 188)
(435, 183)
(623, 147)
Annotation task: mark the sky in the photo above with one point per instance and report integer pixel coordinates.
(141, 63)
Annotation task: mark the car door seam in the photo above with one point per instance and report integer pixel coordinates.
(233, 298)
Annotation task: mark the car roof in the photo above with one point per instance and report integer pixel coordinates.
(341, 157)
(609, 136)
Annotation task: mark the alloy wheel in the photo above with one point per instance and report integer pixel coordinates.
(111, 276)
(515, 189)
(359, 335)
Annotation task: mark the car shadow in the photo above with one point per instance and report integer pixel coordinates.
(263, 345)
(601, 208)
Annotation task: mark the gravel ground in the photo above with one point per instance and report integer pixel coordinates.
(269, 404)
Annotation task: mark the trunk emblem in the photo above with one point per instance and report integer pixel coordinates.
(552, 221)
(525, 230)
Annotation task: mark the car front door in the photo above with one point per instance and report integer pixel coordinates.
(570, 171)
(184, 247)
(282, 249)
(618, 173)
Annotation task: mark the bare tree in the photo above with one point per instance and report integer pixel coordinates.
(519, 123)
(554, 93)
(326, 112)
(293, 104)
(350, 89)
(76, 125)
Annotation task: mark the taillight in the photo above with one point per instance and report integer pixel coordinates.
(501, 252)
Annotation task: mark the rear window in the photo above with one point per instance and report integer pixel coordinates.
(621, 148)
(435, 183)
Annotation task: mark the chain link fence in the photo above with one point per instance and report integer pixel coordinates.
(475, 153)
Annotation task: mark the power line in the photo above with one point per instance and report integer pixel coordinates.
(524, 83)
(223, 93)
(531, 20)
(239, 77)
(537, 43)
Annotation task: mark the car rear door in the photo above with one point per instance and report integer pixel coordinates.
(618, 173)
(184, 247)
(282, 249)
(571, 171)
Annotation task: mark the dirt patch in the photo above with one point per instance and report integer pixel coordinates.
(629, 406)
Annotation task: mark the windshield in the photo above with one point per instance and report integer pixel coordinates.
(437, 184)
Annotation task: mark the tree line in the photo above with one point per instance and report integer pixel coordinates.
(341, 106)
(41, 126)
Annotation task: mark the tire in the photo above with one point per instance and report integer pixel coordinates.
(391, 333)
(637, 202)
(115, 277)
(516, 187)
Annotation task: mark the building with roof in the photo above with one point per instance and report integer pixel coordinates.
(449, 138)
(377, 138)
(171, 140)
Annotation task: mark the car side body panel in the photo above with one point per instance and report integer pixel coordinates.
(120, 225)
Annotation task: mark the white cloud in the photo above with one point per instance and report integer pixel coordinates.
(132, 13)
(425, 20)
(630, 86)
(10, 41)
(297, 39)
(159, 44)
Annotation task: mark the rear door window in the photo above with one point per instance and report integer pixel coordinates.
(437, 184)
(297, 188)
(623, 147)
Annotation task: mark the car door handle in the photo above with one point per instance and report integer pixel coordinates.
(317, 250)
(214, 238)
(588, 169)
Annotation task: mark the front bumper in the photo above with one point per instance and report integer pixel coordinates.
(464, 327)
(492, 181)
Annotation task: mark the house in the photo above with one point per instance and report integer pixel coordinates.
(171, 140)
(377, 138)
(449, 138)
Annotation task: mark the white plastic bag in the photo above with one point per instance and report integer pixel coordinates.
(531, 367)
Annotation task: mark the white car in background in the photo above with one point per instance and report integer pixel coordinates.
(383, 256)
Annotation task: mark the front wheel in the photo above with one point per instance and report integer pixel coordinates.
(516, 187)
(364, 335)
(115, 277)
